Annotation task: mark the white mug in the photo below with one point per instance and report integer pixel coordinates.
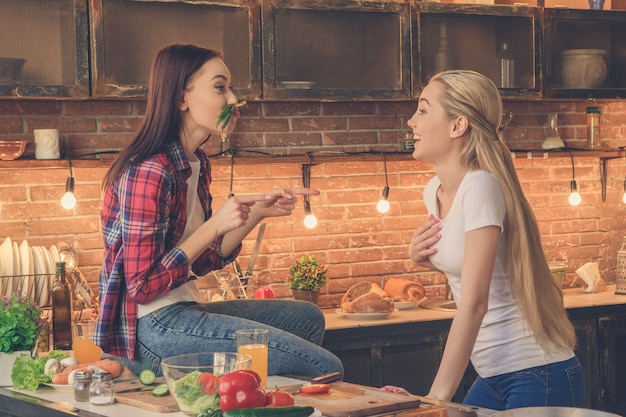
(47, 143)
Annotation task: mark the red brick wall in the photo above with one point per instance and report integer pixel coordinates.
(352, 238)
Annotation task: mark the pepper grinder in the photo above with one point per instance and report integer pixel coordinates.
(552, 139)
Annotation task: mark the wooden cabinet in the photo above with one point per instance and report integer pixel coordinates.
(126, 34)
(44, 48)
(408, 355)
(336, 50)
(453, 36)
(568, 34)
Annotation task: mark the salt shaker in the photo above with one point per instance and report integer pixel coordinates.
(593, 127)
(101, 389)
(81, 385)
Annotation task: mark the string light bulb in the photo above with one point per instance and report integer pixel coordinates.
(574, 198)
(383, 203)
(68, 201)
(624, 196)
(310, 221)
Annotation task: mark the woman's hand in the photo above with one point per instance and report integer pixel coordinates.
(235, 212)
(423, 239)
(281, 201)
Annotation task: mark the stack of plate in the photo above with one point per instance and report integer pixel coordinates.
(27, 270)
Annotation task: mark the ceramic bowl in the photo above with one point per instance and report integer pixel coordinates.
(12, 149)
(583, 68)
(181, 374)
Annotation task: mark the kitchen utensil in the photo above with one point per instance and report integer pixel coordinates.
(457, 410)
(255, 250)
(323, 379)
(352, 400)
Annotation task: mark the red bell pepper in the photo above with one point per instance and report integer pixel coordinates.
(241, 389)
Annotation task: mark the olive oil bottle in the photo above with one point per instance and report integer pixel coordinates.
(61, 310)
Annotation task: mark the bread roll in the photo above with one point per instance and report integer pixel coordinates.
(403, 289)
(366, 297)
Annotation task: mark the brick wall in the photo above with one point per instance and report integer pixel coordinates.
(352, 237)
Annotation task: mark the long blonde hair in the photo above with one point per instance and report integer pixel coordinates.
(474, 96)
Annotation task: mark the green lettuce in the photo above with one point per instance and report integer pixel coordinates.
(28, 372)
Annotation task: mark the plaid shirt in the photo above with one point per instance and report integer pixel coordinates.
(143, 218)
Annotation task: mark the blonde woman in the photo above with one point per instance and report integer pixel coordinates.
(482, 234)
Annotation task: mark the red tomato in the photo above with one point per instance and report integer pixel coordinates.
(209, 382)
(264, 292)
(315, 389)
(279, 398)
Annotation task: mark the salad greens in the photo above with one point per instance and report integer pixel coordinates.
(189, 394)
(224, 117)
(28, 372)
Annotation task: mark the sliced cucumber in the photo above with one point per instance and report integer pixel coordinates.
(147, 377)
(160, 390)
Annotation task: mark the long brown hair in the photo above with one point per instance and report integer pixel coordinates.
(470, 94)
(172, 69)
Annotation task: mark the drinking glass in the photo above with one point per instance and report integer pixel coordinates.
(85, 351)
(254, 343)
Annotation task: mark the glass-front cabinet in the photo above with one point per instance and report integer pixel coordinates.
(584, 53)
(126, 34)
(502, 42)
(44, 48)
(336, 50)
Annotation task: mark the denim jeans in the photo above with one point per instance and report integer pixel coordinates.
(557, 384)
(296, 329)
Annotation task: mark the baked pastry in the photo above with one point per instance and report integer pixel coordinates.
(403, 289)
(366, 297)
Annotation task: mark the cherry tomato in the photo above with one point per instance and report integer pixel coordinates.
(208, 381)
(315, 389)
(278, 398)
(264, 292)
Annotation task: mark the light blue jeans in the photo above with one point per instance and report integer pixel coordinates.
(557, 384)
(296, 330)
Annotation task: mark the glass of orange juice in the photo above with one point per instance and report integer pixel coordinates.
(85, 351)
(254, 343)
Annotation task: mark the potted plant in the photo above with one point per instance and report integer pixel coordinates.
(306, 276)
(20, 325)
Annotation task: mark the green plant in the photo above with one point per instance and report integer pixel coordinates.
(20, 323)
(307, 273)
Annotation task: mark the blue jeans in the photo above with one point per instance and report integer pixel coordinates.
(557, 384)
(296, 329)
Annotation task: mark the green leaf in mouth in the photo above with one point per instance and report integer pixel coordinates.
(226, 113)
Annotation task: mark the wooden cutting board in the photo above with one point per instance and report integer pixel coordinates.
(352, 400)
(145, 399)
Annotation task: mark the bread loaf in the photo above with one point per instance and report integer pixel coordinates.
(366, 297)
(403, 289)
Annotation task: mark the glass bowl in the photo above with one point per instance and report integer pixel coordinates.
(11, 149)
(182, 374)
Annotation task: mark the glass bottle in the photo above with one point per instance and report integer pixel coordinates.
(506, 65)
(552, 139)
(101, 389)
(593, 127)
(61, 310)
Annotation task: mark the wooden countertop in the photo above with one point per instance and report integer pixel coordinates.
(573, 298)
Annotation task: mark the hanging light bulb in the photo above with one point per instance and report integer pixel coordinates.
(68, 201)
(310, 221)
(574, 197)
(624, 196)
(383, 203)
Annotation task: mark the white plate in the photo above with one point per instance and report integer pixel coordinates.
(41, 281)
(55, 255)
(25, 265)
(17, 265)
(404, 305)
(61, 387)
(364, 316)
(6, 254)
(47, 257)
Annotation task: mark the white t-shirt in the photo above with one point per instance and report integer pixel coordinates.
(195, 217)
(504, 343)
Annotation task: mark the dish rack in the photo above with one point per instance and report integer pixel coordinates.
(38, 288)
